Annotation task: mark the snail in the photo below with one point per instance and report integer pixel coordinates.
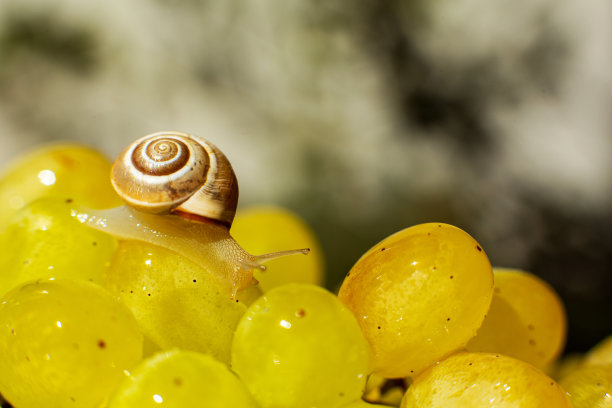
(180, 193)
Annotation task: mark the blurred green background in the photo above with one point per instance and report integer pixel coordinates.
(364, 118)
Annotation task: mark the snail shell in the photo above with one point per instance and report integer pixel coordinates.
(177, 172)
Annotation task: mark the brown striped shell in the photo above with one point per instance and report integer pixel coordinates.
(177, 172)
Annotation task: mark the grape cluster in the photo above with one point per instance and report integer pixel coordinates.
(89, 319)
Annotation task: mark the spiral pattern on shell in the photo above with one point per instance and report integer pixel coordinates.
(175, 171)
(161, 156)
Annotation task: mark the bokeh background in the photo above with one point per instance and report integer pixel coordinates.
(362, 117)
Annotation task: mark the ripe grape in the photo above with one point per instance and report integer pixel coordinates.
(65, 171)
(179, 379)
(590, 386)
(267, 229)
(484, 380)
(176, 302)
(526, 320)
(419, 295)
(64, 344)
(298, 346)
(44, 240)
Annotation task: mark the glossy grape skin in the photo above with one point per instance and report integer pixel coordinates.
(484, 380)
(419, 295)
(526, 320)
(176, 302)
(64, 344)
(61, 170)
(298, 346)
(590, 386)
(265, 229)
(43, 240)
(180, 379)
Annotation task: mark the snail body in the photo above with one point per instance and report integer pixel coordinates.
(181, 193)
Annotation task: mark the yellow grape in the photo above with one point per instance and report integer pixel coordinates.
(419, 295)
(64, 344)
(297, 346)
(64, 170)
(484, 380)
(590, 386)
(601, 354)
(44, 240)
(265, 229)
(182, 379)
(526, 320)
(176, 302)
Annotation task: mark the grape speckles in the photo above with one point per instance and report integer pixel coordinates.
(302, 335)
(409, 295)
(178, 379)
(62, 329)
(483, 380)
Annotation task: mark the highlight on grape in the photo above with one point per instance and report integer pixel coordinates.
(89, 319)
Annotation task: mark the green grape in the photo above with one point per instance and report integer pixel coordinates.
(484, 380)
(64, 343)
(182, 379)
(44, 240)
(601, 354)
(65, 171)
(526, 320)
(176, 302)
(298, 346)
(590, 386)
(419, 295)
(267, 229)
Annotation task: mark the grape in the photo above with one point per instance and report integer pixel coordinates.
(176, 302)
(419, 295)
(267, 229)
(590, 386)
(64, 344)
(298, 346)
(526, 320)
(182, 379)
(484, 380)
(601, 354)
(65, 171)
(44, 240)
